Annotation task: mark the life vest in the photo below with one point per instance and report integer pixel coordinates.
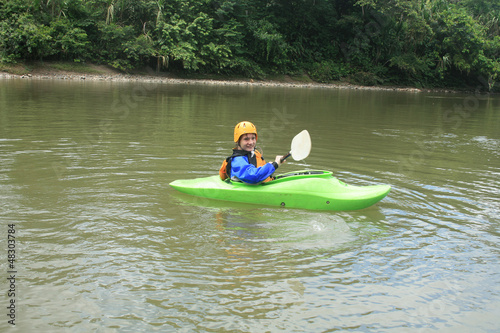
(256, 160)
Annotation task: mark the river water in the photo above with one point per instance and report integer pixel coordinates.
(103, 244)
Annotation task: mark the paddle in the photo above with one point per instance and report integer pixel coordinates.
(301, 147)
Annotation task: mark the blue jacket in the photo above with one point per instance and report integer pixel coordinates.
(248, 173)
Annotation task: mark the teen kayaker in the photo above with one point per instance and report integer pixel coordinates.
(247, 164)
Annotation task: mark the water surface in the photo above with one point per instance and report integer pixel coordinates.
(104, 244)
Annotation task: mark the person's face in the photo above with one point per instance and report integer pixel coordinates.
(248, 141)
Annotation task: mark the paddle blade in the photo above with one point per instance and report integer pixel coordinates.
(301, 146)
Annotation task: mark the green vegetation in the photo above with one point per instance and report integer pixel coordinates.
(424, 43)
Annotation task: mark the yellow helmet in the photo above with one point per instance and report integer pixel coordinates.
(244, 127)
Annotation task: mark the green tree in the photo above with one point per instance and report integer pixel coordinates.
(22, 37)
(190, 39)
(419, 42)
(70, 42)
(463, 41)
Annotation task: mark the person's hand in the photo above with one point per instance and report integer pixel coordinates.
(278, 160)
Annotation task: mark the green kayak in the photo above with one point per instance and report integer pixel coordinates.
(311, 189)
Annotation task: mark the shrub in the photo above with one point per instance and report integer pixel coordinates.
(327, 71)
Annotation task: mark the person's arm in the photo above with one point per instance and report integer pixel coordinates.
(248, 173)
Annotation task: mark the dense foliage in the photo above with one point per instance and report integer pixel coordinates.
(413, 42)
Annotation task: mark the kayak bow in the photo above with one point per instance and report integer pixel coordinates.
(311, 189)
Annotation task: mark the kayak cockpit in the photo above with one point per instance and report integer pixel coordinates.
(303, 174)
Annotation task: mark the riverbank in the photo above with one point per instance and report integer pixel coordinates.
(61, 71)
